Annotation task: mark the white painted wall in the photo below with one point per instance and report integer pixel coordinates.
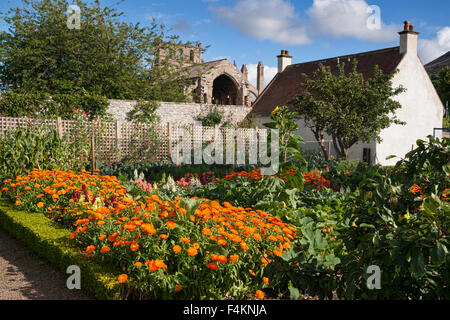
(422, 110)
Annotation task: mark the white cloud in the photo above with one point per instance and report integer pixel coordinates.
(274, 20)
(269, 73)
(348, 18)
(434, 48)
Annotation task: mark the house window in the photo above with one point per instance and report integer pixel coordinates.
(366, 155)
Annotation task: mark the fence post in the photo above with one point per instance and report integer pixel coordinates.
(329, 150)
(59, 127)
(169, 140)
(93, 151)
(118, 136)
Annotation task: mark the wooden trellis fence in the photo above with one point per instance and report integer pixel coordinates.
(115, 140)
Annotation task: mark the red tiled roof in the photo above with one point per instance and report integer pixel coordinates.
(285, 86)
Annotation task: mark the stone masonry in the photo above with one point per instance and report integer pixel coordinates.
(179, 113)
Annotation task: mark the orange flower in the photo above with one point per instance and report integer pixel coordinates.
(177, 287)
(90, 249)
(176, 248)
(266, 280)
(234, 257)
(163, 236)
(18, 202)
(259, 294)
(40, 204)
(101, 237)
(222, 259)
(186, 240)
(192, 251)
(134, 247)
(244, 245)
(278, 252)
(105, 249)
(213, 266)
(265, 260)
(257, 237)
(147, 227)
(171, 224)
(251, 272)
(122, 278)
(138, 264)
(206, 231)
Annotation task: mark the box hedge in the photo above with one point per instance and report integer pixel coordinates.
(51, 242)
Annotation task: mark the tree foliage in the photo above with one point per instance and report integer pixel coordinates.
(346, 106)
(106, 56)
(442, 84)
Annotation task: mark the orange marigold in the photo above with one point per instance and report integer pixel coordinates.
(105, 249)
(259, 294)
(171, 224)
(90, 249)
(177, 287)
(176, 248)
(122, 278)
(213, 266)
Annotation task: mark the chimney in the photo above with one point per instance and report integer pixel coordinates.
(260, 77)
(408, 39)
(284, 60)
(244, 72)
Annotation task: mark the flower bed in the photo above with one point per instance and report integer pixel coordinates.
(313, 179)
(167, 249)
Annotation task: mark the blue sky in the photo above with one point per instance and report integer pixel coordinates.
(249, 31)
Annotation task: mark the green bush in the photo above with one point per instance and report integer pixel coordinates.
(44, 105)
(397, 219)
(51, 242)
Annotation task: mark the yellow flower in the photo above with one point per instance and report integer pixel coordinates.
(275, 110)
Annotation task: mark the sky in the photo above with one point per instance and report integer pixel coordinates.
(249, 31)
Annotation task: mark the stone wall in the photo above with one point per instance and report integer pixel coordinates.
(179, 113)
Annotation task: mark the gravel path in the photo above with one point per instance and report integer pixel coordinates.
(24, 276)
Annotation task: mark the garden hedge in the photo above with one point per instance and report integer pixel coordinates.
(51, 242)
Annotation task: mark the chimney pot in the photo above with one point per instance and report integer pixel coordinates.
(411, 28)
(406, 26)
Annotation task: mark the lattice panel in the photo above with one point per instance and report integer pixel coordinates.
(116, 141)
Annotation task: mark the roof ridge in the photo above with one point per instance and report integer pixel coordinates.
(347, 55)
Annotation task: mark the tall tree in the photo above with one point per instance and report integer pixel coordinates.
(346, 106)
(442, 84)
(105, 56)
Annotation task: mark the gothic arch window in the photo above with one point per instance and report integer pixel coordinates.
(180, 54)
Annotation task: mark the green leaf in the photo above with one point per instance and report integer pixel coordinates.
(438, 254)
(418, 265)
(294, 293)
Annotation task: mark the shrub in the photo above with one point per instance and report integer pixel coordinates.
(44, 105)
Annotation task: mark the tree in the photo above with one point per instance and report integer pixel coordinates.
(106, 56)
(346, 106)
(442, 84)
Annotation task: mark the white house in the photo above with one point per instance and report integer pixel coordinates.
(422, 110)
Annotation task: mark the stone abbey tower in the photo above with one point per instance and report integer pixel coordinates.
(217, 82)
